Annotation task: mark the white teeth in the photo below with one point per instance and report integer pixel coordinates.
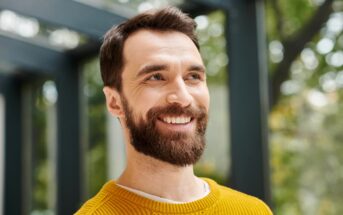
(177, 120)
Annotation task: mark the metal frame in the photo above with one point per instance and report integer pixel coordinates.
(83, 18)
(13, 169)
(40, 60)
(247, 90)
(70, 170)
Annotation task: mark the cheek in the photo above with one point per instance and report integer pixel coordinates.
(146, 100)
(202, 97)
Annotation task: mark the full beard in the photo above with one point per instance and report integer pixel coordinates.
(176, 148)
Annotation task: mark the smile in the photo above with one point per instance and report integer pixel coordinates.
(174, 123)
(176, 120)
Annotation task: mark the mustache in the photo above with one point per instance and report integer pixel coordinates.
(175, 109)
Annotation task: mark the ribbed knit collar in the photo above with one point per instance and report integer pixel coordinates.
(201, 204)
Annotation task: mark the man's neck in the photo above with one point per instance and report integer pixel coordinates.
(162, 179)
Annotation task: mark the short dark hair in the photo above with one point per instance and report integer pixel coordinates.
(111, 52)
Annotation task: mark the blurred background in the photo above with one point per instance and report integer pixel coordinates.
(303, 46)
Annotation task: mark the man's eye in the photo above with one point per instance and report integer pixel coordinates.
(194, 76)
(155, 77)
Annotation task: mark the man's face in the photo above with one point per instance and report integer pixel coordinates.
(165, 96)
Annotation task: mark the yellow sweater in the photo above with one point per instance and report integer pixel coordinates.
(115, 200)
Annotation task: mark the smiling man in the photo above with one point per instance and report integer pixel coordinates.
(155, 83)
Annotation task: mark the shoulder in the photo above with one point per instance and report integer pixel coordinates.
(94, 204)
(239, 201)
(102, 202)
(250, 203)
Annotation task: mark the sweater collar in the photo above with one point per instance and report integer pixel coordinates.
(206, 202)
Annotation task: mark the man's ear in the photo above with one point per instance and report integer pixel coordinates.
(113, 101)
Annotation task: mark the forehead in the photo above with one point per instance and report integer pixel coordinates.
(150, 39)
(146, 46)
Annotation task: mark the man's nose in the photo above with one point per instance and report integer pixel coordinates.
(179, 94)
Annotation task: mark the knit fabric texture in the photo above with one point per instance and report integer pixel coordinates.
(115, 200)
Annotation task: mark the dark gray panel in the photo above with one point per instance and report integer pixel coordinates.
(31, 57)
(248, 81)
(67, 13)
(69, 149)
(10, 87)
(201, 7)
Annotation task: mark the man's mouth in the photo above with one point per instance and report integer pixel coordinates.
(176, 119)
(181, 123)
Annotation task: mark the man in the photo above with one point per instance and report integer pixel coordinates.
(155, 83)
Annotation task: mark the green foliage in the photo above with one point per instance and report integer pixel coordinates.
(305, 124)
(96, 114)
(213, 48)
(290, 14)
(296, 13)
(40, 171)
(209, 171)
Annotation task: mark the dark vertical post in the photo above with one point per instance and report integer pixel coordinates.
(69, 171)
(248, 97)
(10, 87)
(27, 143)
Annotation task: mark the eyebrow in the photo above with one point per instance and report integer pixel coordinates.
(151, 68)
(198, 68)
(159, 67)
